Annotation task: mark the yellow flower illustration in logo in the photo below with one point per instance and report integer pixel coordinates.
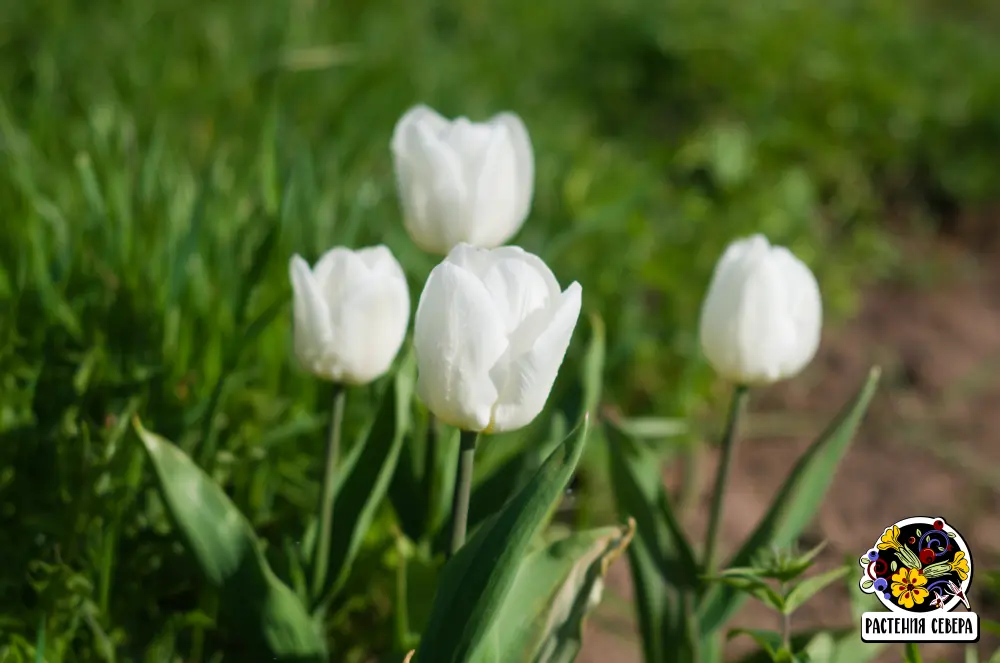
(960, 565)
(908, 587)
(890, 539)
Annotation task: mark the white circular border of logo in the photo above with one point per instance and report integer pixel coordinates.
(954, 601)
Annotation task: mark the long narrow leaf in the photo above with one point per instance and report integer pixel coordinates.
(542, 618)
(361, 492)
(795, 504)
(272, 622)
(639, 491)
(475, 583)
(661, 560)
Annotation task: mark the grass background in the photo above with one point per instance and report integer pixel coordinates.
(161, 160)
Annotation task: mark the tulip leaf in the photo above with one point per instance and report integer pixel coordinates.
(364, 486)
(593, 365)
(477, 580)
(661, 559)
(795, 504)
(638, 486)
(271, 620)
(542, 618)
(408, 491)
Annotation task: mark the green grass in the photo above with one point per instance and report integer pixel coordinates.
(160, 161)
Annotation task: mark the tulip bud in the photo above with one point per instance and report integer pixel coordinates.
(462, 181)
(762, 316)
(350, 313)
(491, 332)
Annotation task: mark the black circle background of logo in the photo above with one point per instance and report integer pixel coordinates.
(928, 538)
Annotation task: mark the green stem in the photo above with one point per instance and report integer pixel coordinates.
(321, 558)
(729, 438)
(402, 613)
(786, 625)
(911, 653)
(463, 490)
(692, 628)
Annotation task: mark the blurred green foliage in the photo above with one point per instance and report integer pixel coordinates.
(160, 160)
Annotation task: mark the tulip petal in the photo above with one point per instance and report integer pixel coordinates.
(312, 325)
(530, 375)
(804, 309)
(524, 160)
(444, 220)
(369, 324)
(458, 338)
(517, 291)
(336, 271)
(494, 191)
(479, 261)
(420, 114)
(764, 330)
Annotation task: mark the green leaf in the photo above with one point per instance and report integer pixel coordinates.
(661, 560)
(801, 642)
(809, 587)
(757, 588)
(821, 649)
(769, 641)
(541, 620)
(867, 584)
(477, 580)
(990, 626)
(40, 642)
(593, 365)
(995, 658)
(796, 502)
(893, 565)
(408, 492)
(657, 604)
(363, 489)
(269, 617)
(638, 486)
(418, 575)
(911, 653)
(849, 646)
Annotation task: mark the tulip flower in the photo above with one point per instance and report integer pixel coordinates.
(762, 316)
(351, 312)
(760, 322)
(350, 316)
(491, 331)
(462, 181)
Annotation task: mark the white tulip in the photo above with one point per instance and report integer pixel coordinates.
(462, 181)
(351, 312)
(491, 332)
(762, 316)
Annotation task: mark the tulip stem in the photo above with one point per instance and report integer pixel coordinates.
(321, 558)
(729, 438)
(463, 490)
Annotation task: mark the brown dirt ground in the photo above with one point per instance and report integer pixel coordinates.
(935, 422)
